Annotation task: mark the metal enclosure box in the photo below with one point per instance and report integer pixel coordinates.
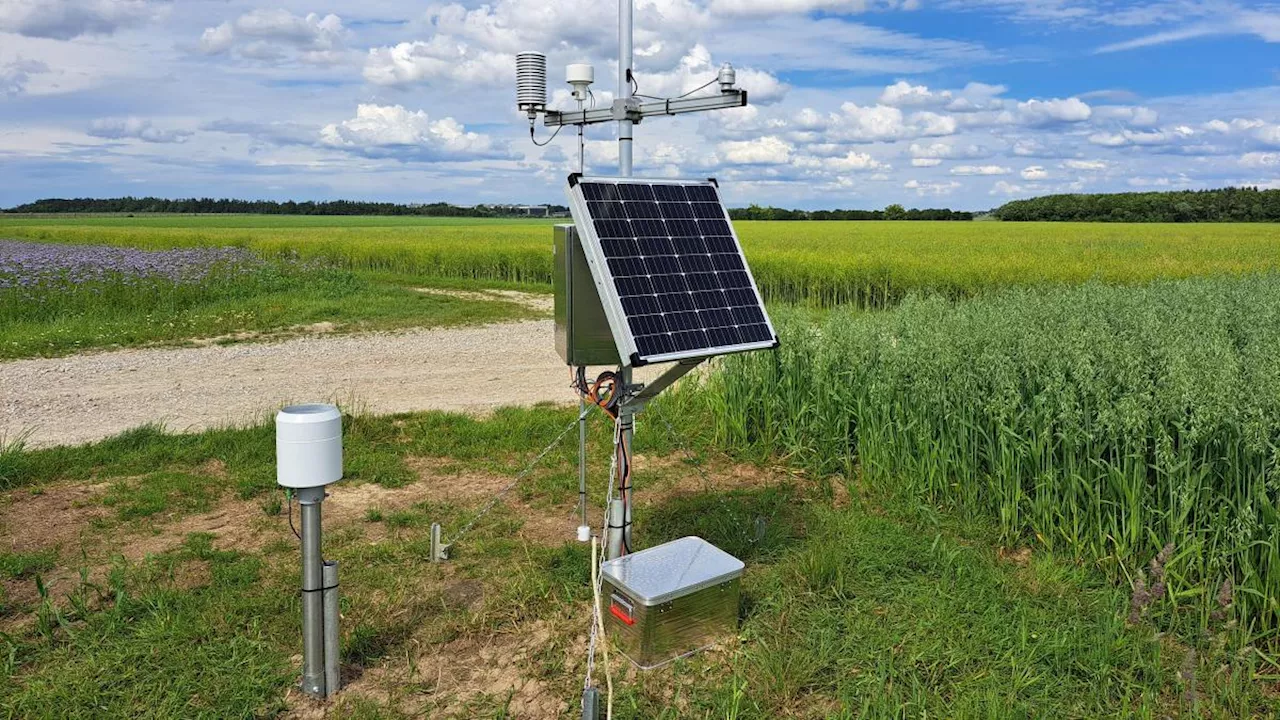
(583, 336)
(671, 600)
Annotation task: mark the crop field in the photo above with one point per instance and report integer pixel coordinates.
(994, 470)
(57, 299)
(824, 264)
(1103, 423)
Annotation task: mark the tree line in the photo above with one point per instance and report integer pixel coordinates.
(189, 206)
(1246, 204)
(893, 212)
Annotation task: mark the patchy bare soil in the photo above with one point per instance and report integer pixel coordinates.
(444, 681)
(476, 669)
(533, 301)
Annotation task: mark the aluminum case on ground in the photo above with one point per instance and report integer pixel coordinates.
(583, 336)
(671, 600)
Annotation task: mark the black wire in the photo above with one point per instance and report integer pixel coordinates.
(548, 142)
(636, 92)
(625, 488)
(713, 80)
(289, 497)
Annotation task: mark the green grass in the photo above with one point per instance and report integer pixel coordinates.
(280, 299)
(1100, 422)
(870, 607)
(156, 650)
(867, 264)
(160, 492)
(16, 565)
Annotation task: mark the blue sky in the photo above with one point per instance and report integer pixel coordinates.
(856, 103)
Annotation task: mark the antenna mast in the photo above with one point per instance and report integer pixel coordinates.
(624, 86)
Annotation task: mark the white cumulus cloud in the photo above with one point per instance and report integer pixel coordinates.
(1034, 172)
(936, 189)
(768, 150)
(1131, 115)
(904, 94)
(1038, 113)
(777, 7)
(851, 161)
(1086, 165)
(696, 68)
(275, 34)
(393, 131)
(1125, 138)
(440, 58)
(1260, 160)
(980, 170)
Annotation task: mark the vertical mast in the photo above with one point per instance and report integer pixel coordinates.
(626, 413)
(624, 85)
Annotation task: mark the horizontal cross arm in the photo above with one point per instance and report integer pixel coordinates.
(636, 111)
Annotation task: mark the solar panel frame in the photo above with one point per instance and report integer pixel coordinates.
(629, 222)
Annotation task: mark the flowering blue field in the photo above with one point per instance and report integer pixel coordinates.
(60, 298)
(38, 266)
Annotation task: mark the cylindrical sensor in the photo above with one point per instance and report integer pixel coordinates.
(308, 446)
(531, 82)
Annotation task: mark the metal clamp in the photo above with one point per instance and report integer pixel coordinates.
(439, 550)
(627, 109)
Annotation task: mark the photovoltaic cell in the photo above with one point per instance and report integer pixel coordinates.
(676, 267)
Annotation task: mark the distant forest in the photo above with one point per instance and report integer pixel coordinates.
(893, 212)
(261, 207)
(1185, 206)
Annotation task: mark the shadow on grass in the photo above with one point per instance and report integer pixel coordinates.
(752, 525)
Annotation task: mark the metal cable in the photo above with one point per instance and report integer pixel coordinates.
(548, 141)
(288, 497)
(493, 502)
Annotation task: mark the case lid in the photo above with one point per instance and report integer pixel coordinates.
(672, 570)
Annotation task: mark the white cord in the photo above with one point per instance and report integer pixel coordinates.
(599, 623)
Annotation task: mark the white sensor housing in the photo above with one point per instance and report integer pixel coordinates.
(308, 446)
(580, 76)
(531, 82)
(726, 77)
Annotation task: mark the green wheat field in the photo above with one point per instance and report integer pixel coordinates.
(994, 470)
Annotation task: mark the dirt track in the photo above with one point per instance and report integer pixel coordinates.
(472, 369)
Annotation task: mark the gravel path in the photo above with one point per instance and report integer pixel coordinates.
(472, 369)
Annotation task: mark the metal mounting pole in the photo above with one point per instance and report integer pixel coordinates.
(625, 142)
(312, 593)
(624, 85)
(332, 639)
(584, 530)
(582, 146)
(613, 534)
(627, 417)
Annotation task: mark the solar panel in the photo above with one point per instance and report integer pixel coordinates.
(670, 270)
